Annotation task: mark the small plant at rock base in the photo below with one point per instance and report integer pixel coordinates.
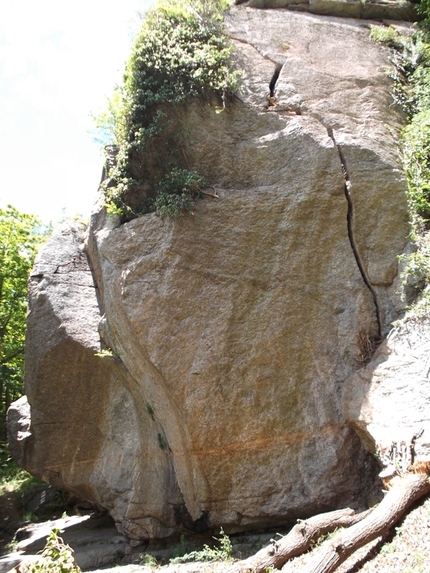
(328, 536)
(148, 561)
(221, 553)
(105, 353)
(366, 347)
(56, 557)
(181, 549)
(11, 547)
(29, 516)
(388, 548)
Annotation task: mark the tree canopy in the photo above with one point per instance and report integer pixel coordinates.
(20, 236)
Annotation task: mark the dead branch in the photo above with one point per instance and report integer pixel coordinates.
(404, 491)
(210, 194)
(298, 540)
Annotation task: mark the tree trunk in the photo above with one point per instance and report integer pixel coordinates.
(404, 491)
(298, 540)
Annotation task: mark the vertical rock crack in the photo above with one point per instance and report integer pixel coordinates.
(274, 79)
(350, 218)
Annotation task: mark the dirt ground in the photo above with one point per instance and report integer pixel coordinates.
(10, 518)
(405, 550)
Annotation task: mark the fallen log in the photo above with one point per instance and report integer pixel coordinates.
(298, 540)
(404, 491)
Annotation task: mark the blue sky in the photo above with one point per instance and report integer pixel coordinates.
(58, 64)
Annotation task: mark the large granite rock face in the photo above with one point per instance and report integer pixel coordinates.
(231, 331)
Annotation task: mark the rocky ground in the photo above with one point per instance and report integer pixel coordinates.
(406, 550)
(98, 544)
(10, 517)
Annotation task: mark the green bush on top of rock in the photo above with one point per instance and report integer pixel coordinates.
(181, 53)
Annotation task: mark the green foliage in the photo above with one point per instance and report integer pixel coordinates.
(20, 237)
(181, 549)
(12, 477)
(416, 275)
(56, 557)
(221, 553)
(423, 9)
(410, 56)
(180, 54)
(411, 90)
(416, 155)
(177, 192)
(387, 35)
(415, 67)
(412, 65)
(109, 122)
(148, 560)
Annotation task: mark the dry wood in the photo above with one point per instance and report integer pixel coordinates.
(210, 194)
(298, 540)
(404, 491)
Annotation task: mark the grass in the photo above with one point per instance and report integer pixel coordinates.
(148, 561)
(12, 477)
(387, 35)
(221, 553)
(14, 483)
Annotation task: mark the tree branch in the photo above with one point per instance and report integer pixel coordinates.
(404, 491)
(298, 540)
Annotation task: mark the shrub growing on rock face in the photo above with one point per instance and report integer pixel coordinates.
(180, 54)
(417, 162)
(411, 91)
(386, 35)
(177, 191)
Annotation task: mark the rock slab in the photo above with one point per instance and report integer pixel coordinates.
(187, 373)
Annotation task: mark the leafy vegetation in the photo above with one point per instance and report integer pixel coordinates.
(411, 91)
(416, 154)
(387, 35)
(177, 192)
(12, 477)
(221, 553)
(20, 237)
(148, 560)
(423, 9)
(56, 557)
(181, 54)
